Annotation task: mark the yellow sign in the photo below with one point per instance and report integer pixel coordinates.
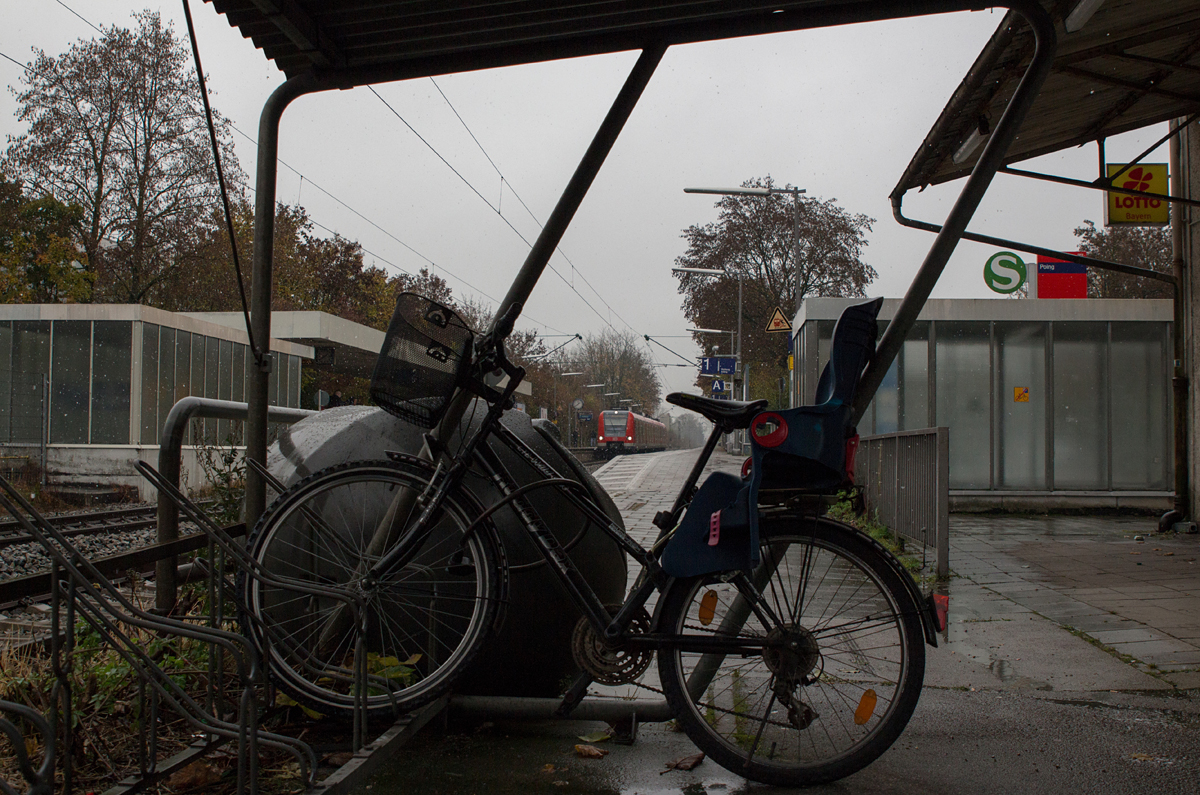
(1127, 210)
(778, 322)
(1020, 394)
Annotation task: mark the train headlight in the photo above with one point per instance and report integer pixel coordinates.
(629, 438)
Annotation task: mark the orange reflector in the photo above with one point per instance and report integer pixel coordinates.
(708, 607)
(866, 707)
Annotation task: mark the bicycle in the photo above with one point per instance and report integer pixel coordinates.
(790, 646)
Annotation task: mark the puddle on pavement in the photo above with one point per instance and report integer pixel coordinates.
(539, 759)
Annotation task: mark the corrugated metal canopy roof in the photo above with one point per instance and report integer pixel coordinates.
(1134, 63)
(353, 42)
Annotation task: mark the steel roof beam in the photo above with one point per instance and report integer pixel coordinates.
(303, 31)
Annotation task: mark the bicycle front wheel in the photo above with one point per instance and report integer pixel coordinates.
(831, 668)
(424, 623)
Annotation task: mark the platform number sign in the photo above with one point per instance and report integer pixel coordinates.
(718, 386)
(1004, 272)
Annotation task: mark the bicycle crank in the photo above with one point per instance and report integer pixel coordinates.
(610, 664)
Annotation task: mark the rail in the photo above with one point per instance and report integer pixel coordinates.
(170, 454)
(905, 478)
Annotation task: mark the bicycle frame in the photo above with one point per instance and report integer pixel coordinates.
(551, 549)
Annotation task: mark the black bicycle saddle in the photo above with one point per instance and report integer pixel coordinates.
(731, 414)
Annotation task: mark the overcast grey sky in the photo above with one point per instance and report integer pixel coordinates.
(838, 112)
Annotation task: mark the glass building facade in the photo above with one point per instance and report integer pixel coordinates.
(108, 375)
(1039, 395)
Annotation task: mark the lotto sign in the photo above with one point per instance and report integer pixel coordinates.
(1004, 272)
(1123, 209)
(1061, 279)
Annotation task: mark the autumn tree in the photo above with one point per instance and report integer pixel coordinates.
(40, 262)
(754, 237)
(117, 129)
(1142, 246)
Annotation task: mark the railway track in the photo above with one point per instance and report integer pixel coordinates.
(84, 523)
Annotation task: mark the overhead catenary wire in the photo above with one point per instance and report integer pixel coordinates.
(493, 207)
(496, 208)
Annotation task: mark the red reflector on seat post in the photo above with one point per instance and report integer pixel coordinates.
(746, 467)
(851, 454)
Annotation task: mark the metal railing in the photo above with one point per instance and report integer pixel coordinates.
(905, 478)
(170, 454)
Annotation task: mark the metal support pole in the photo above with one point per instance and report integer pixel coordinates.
(1179, 380)
(260, 284)
(581, 181)
(968, 201)
(45, 425)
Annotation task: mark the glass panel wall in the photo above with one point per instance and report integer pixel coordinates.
(87, 368)
(913, 389)
(963, 385)
(150, 343)
(70, 370)
(6, 380)
(166, 380)
(30, 364)
(111, 368)
(1021, 405)
(1141, 426)
(1080, 406)
(293, 381)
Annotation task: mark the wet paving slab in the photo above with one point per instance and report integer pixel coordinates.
(1067, 667)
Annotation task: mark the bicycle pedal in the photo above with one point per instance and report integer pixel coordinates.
(573, 696)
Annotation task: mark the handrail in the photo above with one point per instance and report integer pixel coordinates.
(170, 452)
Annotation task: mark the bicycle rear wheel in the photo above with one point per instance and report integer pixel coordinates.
(424, 623)
(841, 665)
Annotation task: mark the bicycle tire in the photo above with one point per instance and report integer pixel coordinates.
(852, 676)
(425, 623)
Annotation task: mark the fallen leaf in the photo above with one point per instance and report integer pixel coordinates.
(1142, 757)
(685, 763)
(595, 737)
(547, 768)
(194, 776)
(1168, 554)
(590, 752)
(339, 759)
(560, 783)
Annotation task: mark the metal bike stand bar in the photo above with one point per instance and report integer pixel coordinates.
(611, 710)
(170, 452)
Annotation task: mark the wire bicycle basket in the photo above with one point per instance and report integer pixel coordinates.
(425, 355)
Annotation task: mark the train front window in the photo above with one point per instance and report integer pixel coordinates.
(614, 423)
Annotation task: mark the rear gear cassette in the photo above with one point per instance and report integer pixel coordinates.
(607, 663)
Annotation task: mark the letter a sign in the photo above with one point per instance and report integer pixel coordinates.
(778, 322)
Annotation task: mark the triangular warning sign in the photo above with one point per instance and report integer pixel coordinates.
(778, 322)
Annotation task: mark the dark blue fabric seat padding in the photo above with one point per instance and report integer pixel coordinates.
(811, 459)
(689, 554)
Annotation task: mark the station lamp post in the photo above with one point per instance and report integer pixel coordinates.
(562, 375)
(795, 194)
(596, 386)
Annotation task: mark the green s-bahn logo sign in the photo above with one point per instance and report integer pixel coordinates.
(1004, 272)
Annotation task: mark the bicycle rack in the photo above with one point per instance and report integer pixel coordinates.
(80, 591)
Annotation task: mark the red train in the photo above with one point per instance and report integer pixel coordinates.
(623, 432)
